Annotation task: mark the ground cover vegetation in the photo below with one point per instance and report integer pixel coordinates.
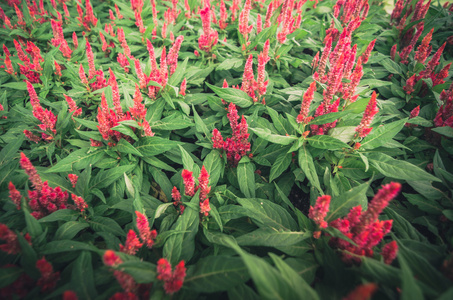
(232, 149)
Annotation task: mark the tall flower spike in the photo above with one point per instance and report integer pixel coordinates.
(73, 106)
(172, 58)
(31, 172)
(389, 252)
(14, 194)
(132, 244)
(173, 281)
(424, 49)
(189, 183)
(203, 181)
(116, 94)
(324, 56)
(244, 28)
(433, 62)
(90, 56)
(182, 89)
(377, 204)
(367, 53)
(49, 278)
(370, 111)
(146, 234)
(79, 202)
(306, 102)
(320, 210)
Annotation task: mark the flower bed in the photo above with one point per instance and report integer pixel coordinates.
(235, 149)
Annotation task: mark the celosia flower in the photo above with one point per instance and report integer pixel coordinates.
(146, 235)
(49, 278)
(138, 111)
(203, 181)
(210, 37)
(370, 111)
(362, 292)
(410, 83)
(175, 195)
(116, 94)
(126, 281)
(70, 295)
(424, 49)
(306, 101)
(172, 58)
(132, 244)
(73, 179)
(79, 202)
(367, 53)
(433, 62)
(32, 137)
(30, 171)
(205, 208)
(147, 129)
(244, 27)
(11, 244)
(14, 194)
(414, 113)
(320, 210)
(118, 13)
(73, 106)
(189, 183)
(389, 252)
(173, 281)
(124, 296)
(182, 89)
(223, 15)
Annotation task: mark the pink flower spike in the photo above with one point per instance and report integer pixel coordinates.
(362, 292)
(111, 259)
(33, 96)
(173, 281)
(306, 102)
(203, 181)
(146, 235)
(116, 94)
(320, 210)
(73, 106)
(73, 179)
(205, 208)
(30, 171)
(132, 244)
(370, 111)
(389, 252)
(378, 203)
(147, 129)
(49, 278)
(15, 195)
(182, 89)
(189, 183)
(367, 53)
(79, 202)
(83, 76)
(175, 195)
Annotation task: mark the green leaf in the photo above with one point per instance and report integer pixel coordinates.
(246, 178)
(105, 178)
(82, 277)
(16, 85)
(398, 169)
(66, 246)
(60, 215)
(230, 63)
(124, 146)
(142, 271)
(69, 230)
(277, 121)
(88, 124)
(272, 238)
(428, 205)
(187, 160)
(216, 274)
(77, 160)
(182, 246)
(199, 124)
(327, 142)
(307, 165)
(267, 135)
(447, 131)
(341, 205)
(9, 274)
(382, 134)
(151, 146)
(268, 215)
(10, 150)
(391, 66)
(214, 165)
(328, 118)
(103, 224)
(126, 130)
(178, 75)
(238, 97)
(281, 164)
(33, 226)
(153, 161)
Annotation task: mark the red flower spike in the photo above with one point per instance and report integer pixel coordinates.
(124, 296)
(32, 137)
(182, 89)
(118, 13)
(217, 139)
(424, 49)
(80, 203)
(132, 244)
(377, 204)
(433, 62)
(11, 245)
(367, 53)
(83, 77)
(439, 77)
(111, 259)
(15, 195)
(49, 278)
(173, 281)
(389, 252)
(370, 111)
(203, 181)
(393, 52)
(172, 59)
(306, 102)
(73, 178)
(73, 106)
(189, 183)
(116, 94)
(210, 36)
(223, 15)
(138, 111)
(362, 292)
(70, 295)
(175, 195)
(205, 208)
(146, 235)
(147, 128)
(31, 172)
(320, 210)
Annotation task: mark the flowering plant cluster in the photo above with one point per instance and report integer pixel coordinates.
(230, 149)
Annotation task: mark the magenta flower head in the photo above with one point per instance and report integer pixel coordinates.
(370, 111)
